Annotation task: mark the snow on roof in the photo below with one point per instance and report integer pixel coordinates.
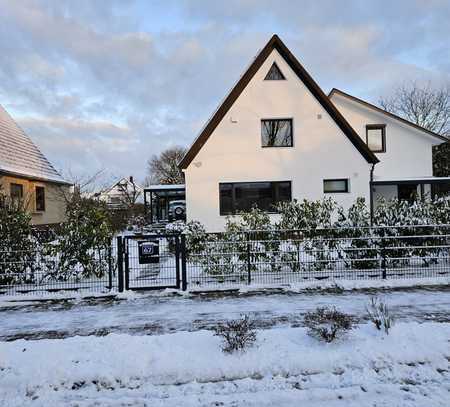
(163, 187)
(20, 156)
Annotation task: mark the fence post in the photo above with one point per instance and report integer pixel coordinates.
(383, 260)
(110, 271)
(177, 261)
(183, 262)
(120, 262)
(249, 261)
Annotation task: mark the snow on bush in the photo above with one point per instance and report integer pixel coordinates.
(327, 323)
(379, 315)
(237, 335)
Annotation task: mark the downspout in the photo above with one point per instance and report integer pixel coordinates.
(371, 193)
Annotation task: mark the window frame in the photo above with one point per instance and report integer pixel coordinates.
(15, 184)
(381, 127)
(281, 72)
(290, 119)
(347, 185)
(36, 187)
(233, 195)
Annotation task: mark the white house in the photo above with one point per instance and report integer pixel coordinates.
(277, 136)
(122, 194)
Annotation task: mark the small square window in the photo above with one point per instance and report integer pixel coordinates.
(16, 192)
(40, 199)
(276, 133)
(376, 137)
(335, 185)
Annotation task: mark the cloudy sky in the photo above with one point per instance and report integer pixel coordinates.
(106, 84)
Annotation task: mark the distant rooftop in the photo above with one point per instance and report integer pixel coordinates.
(20, 156)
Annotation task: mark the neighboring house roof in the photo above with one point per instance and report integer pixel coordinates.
(276, 43)
(19, 156)
(335, 91)
(123, 181)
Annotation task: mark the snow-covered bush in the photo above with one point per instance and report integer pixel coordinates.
(237, 335)
(379, 315)
(17, 245)
(82, 245)
(327, 324)
(358, 247)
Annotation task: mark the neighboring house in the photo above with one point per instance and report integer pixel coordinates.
(26, 175)
(123, 194)
(277, 136)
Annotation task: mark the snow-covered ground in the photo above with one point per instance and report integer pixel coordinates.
(409, 367)
(157, 349)
(151, 314)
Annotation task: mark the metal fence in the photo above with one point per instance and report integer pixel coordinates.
(43, 270)
(228, 260)
(293, 256)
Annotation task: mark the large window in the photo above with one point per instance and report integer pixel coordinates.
(376, 137)
(16, 192)
(276, 133)
(40, 199)
(335, 185)
(243, 196)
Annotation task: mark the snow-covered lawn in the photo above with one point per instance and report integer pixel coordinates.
(410, 367)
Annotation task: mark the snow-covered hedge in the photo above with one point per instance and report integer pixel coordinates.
(320, 235)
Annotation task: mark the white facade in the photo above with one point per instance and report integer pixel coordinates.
(233, 153)
(329, 143)
(408, 151)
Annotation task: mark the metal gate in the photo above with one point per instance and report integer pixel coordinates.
(153, 261)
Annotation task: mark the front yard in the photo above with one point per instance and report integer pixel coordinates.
(409, 367)
(158, 350)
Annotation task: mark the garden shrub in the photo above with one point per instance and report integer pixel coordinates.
(327, 324)
(82, 246)
(379, 315)
(358, 247)
(237, 335)
(17, 245)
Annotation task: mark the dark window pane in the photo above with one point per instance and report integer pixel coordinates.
(407, 192)
(242, 197)
(16, 191)
(335, 185)
(40, 198)
(276, 133)
(226, 199)
(284, 191)
(274, 73)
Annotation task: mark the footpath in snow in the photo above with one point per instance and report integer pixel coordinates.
(153, 314)
(409, 367)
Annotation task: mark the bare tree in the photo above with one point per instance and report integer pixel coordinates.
(163, 168)
(129, 193)
(427, 107)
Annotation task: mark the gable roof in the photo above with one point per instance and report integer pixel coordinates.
(19, 156)
(275, 43)
(335, 91)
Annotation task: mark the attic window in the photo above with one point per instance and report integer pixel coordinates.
(274, 74)
(376, 137)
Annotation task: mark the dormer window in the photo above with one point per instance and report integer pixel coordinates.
(274, 74)
(376, 137)
(276, 133)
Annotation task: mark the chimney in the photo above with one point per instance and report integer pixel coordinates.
(131, 179)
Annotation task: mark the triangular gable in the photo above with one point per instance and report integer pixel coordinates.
(274, 74)
(335, 91)
(276, 43)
